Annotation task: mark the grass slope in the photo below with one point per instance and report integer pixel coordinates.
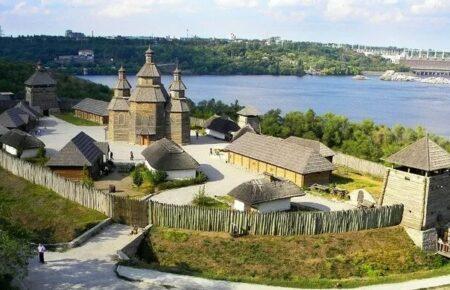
(40, 213)
(350, 180)
(71, 118)
(346, 259)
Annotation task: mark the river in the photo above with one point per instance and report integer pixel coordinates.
(407, 103)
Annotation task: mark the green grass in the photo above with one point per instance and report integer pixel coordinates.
(39, 213)
(71, 118)
(350, 180)
(320, 261)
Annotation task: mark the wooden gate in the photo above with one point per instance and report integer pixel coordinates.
(130, 211)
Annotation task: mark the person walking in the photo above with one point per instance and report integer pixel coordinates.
(41, 251)
(111, 156)
(131, 156)
(196, 134)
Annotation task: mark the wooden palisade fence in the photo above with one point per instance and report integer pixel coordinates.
(88, 197)
(277, 223)
(140, 212)
(360, 165)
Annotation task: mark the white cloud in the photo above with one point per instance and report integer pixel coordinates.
(289, 3)
(237, 3)
(24, 8)
(124, 8)
(430, 6)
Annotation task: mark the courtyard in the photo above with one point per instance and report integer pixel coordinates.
(222, 177)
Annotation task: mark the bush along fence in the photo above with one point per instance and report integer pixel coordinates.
(277, 223)
(360, 165)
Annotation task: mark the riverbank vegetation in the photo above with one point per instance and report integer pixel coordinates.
(329, 260)
(363, 139)
(195, 55)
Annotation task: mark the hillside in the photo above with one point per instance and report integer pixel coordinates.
(14, 75)
(195, 55)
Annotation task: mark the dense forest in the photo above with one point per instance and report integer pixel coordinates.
(195, 55)
(14, 74)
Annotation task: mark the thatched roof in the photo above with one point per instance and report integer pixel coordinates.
(222, 125)
(82, 150)
(278, 152)
(242, 131)
(166, 155)
(263, 190)
(3, 130)
(319, 147)
(249, 111)
(424, 154)
(14, 118)
(24, 106)
(21, 140)
(96, 107)
(40, 78)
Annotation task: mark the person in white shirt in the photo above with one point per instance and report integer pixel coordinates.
(41, 250)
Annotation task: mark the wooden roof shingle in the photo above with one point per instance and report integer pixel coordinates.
(96, 107)
(82, 150)
(283, 154)
(313, 144)
(424, 154)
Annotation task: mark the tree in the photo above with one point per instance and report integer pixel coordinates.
(14, 255)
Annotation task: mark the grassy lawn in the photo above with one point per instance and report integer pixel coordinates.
(41, 214)
(329, 260)
(71, 118)
(350, 180)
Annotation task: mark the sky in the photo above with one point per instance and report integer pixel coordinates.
(420, 24)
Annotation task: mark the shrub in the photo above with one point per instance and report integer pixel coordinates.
(199, 179)
(136, 175)
(87, 180)
(41, 153)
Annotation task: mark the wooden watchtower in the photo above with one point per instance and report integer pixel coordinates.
(420, 180)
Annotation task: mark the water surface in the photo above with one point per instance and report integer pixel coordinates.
(407, 103)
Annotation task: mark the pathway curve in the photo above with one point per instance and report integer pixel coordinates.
(184, 282)
(90, 266)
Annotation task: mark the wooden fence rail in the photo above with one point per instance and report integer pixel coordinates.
(278, 223)
(88, 197)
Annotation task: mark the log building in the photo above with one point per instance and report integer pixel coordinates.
(92, 110)
(298, 164)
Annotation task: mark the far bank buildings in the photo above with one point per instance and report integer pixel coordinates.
(149, 113)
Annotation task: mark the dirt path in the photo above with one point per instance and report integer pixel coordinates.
(90, 266)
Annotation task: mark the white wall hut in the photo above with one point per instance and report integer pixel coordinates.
(221, 127)
(166, 155)
(21, 144)
(264, 195)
